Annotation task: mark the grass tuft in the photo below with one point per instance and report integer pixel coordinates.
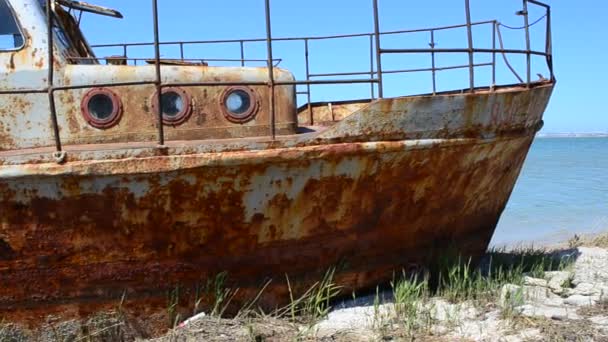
(314, 304)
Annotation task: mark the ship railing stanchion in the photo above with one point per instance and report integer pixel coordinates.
(432, 44)
(242, 46)
(158, 81)
(59, 154)
(270, 70)
(371, 65)
(527, 30)
(307, 59)
(549, 44)
(378, 49)
(494, 24)
(470, 39)
(548, 37)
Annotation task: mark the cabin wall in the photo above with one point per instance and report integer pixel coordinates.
(25, 119)
(139, 118)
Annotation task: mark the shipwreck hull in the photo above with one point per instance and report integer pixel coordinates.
(78, 237)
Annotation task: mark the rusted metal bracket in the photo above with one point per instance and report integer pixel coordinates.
(60, 157)
(86, 7)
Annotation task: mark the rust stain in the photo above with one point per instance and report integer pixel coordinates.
(11, 62)
(145, 233)
(39, 64)
(383, 186)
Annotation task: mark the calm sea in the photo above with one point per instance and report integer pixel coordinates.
(562, 190)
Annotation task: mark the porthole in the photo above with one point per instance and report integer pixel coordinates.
(176, 105)
(101, 108)
(239, 104)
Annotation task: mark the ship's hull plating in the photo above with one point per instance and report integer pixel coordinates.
(78, 237)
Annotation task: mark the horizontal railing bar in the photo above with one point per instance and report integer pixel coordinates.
(258, 40)
(174, 59)
(277, 83)
(212, 84)
(436, 69)
(355, 73)
(312, 82)
(102, 85)
(252, 40)
(539, 3)
(477, 50)
(437, 28)
(398, 71)
(24, 91)
(177, 84)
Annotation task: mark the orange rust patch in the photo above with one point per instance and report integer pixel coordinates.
(87, 240)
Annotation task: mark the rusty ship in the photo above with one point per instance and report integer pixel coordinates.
(123, 177)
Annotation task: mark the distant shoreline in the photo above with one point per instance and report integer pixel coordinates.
(572, 135)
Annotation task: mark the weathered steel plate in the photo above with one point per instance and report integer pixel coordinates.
(76, 237)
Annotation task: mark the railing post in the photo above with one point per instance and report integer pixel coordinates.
(242, 53)
(158, 81)
(371, 65)
(432, 44)
(549, 44)
(470, 38)
(306, 57)
(181, 50)
(494, 53)
(527, 29)
(270, 70)
(51, 74)
(378, 49)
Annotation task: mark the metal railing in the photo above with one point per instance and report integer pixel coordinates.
(375, 52)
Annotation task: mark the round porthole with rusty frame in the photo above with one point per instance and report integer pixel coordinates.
(101, 108)
(176, 105)
(239, 104)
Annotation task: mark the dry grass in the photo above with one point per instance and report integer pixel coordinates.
(600, 241)
(599, 309)
(561, 330)
(594, 240)
(411, 319)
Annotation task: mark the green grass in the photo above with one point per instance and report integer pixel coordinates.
(314, 304)
(457, 280)
(412, 315)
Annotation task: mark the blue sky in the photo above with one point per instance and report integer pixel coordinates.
(579, 40)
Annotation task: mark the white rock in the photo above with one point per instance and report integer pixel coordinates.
(557, 279)
(486, 328)
(352, 318)
(599, 320)
(590, 267)
(192, 319)
(524, 335)
(585, 289)
(544, 295)
(578, 300)
(444, 311)
(511, 296)
(547, 311)
(535, 282)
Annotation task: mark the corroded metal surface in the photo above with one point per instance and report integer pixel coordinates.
(112, 219)
(327, 113)
(25, 119)
(89, 231)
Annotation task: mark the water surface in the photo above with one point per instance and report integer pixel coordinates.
(562, 190)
